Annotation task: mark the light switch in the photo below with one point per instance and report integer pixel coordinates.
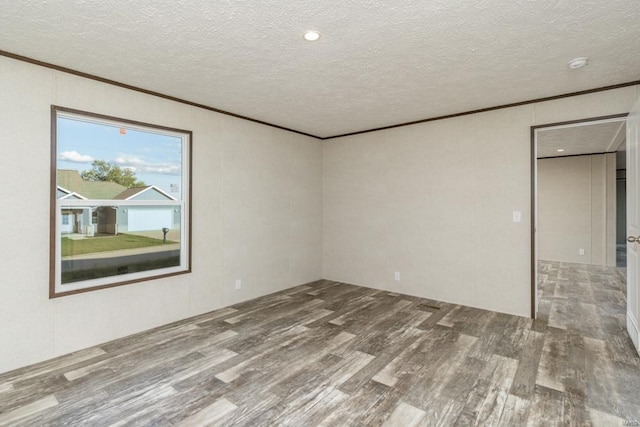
(517, 216)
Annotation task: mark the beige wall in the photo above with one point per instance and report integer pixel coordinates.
(257, 215)
(577, 209)
(434, 201)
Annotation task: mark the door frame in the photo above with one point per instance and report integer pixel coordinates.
(534, 195)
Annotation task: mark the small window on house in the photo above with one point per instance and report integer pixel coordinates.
(120, 202)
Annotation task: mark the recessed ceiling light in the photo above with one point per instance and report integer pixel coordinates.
(560, 150)
(311, 36)
(578, 62)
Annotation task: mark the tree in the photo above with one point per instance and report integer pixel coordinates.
(104, 171)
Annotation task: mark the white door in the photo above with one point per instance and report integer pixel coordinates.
(149, 219)
(67, 223)
(633, 224)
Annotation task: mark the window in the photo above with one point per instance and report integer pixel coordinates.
(120, 203)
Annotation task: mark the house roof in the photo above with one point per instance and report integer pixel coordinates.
(131, 193)
(71, 183)
(74, 195)
(71, 180)
(102, 189)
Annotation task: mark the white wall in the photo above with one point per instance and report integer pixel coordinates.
(434, 201)
(257, 215)
(577, 209)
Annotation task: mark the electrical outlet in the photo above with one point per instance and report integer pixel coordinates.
(517, 216)
(581, 251)
(396, 276)
(238, 283)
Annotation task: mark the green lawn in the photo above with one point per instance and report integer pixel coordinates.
(92, 245)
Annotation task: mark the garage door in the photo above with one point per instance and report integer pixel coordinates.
(149, 219)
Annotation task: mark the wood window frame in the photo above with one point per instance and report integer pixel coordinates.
(186, 197)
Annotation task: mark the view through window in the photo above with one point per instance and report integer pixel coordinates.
(121, 201)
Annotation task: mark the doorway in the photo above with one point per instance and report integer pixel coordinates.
(577, 174)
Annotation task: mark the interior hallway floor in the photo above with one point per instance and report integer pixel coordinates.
(334, 354)
(588, 355)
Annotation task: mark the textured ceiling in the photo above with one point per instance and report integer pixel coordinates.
(586, 138)
(378, 62)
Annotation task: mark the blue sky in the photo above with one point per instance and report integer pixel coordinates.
(155, 158)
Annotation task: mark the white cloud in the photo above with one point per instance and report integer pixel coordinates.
(128, 161)
(164, 169)
(140, 166)
(74, 156)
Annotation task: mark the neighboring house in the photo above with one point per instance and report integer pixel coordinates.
(112, 219)
(145, 218)
(73, 220)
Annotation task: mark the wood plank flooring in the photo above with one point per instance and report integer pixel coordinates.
(333, 354)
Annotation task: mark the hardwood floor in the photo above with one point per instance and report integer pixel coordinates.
(334, 354)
